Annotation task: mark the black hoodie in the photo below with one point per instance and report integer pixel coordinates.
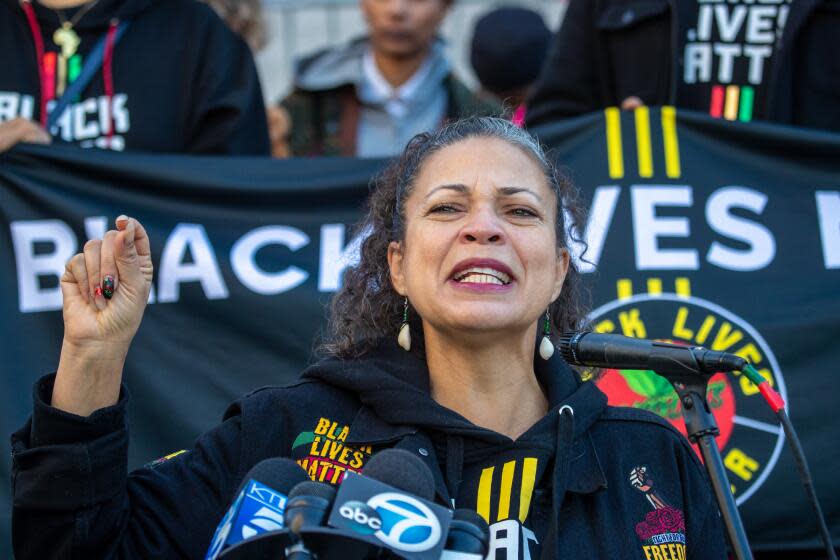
(178, 80)
(591, 480)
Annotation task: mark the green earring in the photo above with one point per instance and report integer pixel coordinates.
(404, 338)
(546, 347)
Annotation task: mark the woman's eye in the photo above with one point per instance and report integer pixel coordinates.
(524, 213)
(443, 209)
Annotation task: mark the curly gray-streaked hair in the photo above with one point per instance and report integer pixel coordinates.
(368, 308)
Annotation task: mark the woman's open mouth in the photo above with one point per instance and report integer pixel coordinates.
(482, 275)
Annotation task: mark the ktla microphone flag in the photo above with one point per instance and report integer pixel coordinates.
(700, 231)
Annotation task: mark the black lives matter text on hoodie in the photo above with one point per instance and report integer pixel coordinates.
(593, 482)
(176, 81)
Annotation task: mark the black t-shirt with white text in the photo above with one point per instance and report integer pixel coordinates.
(727, 56)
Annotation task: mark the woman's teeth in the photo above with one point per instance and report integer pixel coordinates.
(481, 279)
(482, 276)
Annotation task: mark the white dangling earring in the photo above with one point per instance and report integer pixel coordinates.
(546, 346)
(404, 338)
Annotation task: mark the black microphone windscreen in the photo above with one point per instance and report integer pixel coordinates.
(311, 488)
(277, 473)
(401, 469)
(468, 515)
(468, 533)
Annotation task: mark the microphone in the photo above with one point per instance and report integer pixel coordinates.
(622, 352)
(308, 505)
(369, 517)
(389, 506)
(403, 470)
(468, 538)
(259, 505)
(307, 508)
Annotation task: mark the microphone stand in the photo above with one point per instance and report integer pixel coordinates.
(691, 386)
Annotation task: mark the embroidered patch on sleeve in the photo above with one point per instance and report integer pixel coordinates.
(663, 530)
(165, 458)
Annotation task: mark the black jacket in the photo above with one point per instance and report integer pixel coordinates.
(607, 482)
(179, 81)
(325, 123)
(608, 50)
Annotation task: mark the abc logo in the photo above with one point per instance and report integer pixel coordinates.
(365, 519)
(407, 523)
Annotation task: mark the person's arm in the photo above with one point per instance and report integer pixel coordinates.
(227, 109)
(72, 494)
(56, 473)
(568, 84)
(73, 497)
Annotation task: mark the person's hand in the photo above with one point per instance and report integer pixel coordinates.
(105, 290)
(21, 130)
(106, 287)
(631, 103)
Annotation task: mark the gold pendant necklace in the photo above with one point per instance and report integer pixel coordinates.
(65, 37)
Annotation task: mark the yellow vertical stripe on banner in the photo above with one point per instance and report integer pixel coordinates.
(672, 147)
(654, 286)
(683, 287)
(485, 485)
(615, 155)
(529, 478)
(624, 287)
(643, 150)
(506, 490)
(730, 106)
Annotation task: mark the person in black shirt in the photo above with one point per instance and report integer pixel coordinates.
(167, 76)
(738, 60)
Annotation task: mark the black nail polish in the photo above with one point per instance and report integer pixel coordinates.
(108, 286)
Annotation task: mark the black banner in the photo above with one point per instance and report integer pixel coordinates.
(700, 231)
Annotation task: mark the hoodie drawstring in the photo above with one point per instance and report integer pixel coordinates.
(560, 477)
(35, 29)
(108, 75)
(107, 66)
(454, 465)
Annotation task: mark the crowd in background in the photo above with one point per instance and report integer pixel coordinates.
(169, 76)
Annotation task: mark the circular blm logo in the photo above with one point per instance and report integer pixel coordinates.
(750, 438)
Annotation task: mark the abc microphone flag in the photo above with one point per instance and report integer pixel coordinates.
(388, 517)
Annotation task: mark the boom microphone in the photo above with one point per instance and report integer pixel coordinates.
(259, 505)
(622, 352)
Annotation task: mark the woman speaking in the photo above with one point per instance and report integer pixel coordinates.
(439, 344)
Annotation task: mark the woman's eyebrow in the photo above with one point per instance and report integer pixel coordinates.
(504, 191)
(459, 188)
(510, 191)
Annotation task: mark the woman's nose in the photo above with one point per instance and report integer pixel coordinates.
(483, 227)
